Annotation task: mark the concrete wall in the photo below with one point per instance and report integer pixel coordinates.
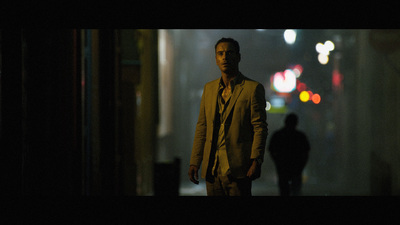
(379, 97)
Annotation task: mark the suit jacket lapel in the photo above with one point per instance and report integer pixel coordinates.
(214, 95)
(236, 92)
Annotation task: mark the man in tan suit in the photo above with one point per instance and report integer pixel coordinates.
(231, 130)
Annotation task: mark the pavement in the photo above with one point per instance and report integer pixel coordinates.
(270, 188)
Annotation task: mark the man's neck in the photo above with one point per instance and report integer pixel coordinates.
(226, 78)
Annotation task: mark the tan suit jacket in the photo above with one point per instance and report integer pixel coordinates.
(246, 128)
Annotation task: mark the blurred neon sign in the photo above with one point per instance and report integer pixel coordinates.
(284, 82)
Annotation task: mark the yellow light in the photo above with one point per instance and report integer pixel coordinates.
(304, 96)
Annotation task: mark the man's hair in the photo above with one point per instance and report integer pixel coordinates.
(231, 40)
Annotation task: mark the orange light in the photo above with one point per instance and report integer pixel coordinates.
(316, 98)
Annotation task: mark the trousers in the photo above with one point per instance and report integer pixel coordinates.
(226, 185)
(289, 185)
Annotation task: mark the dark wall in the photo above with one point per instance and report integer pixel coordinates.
(40, 111)
(53, 156)
(11, 112)
(67, 113)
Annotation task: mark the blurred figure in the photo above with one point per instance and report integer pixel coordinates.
(231, 131)
(289, 150)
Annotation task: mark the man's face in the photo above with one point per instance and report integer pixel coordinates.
(227, 57)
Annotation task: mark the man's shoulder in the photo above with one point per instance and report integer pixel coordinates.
(251, 84)
(279, 132)
(246, 81)
(300, 133)
(213, 82)
(250, 81)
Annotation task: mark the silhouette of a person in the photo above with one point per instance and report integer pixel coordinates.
(289, 150)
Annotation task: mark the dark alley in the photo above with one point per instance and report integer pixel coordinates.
(113, 112)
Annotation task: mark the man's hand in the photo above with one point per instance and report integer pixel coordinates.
(194, 174)
(254, 171)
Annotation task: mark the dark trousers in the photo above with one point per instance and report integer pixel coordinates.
(289, 183)
(289, 173)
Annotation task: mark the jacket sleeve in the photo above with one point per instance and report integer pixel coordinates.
(200, 134)
(259, 122)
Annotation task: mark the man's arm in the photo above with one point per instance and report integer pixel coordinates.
(259, 122)
(194, 174)
(260, 128)
(198, 142)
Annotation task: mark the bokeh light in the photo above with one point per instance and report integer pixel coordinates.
(321, 48)
(304, 96)
(329, 45)
(301, 87)
(323, 59)
(284, 82)
(268, 106)
(297, 69)
(290, 36)
(316, 98)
